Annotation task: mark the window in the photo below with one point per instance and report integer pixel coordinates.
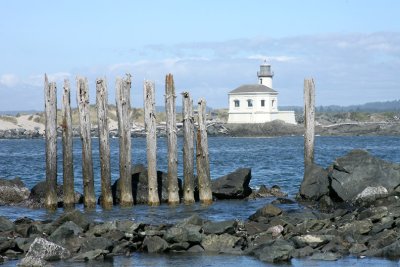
(249, 103)
(273, 102)
(263, 103)
(260, 81)
(237, 103)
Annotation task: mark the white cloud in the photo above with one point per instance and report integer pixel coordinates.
(9, 80)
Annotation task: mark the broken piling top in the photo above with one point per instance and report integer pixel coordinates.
(309, 121)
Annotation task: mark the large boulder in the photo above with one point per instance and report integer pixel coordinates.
(13, 192)
(140, 186)
(234, 185)
(38, 194)
(315, 183)
(41, 251)
(352, 174)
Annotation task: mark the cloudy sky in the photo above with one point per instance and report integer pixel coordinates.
(350, 47)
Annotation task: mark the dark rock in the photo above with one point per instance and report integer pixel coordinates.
(264, 191)
(102, 228)
(315, 183)
(276, 251)
(6, 224)
(234, 185)
(41, 251)
(357, 227)
(186, 233)
(23, 244)
(218, 228)
(358, 248)
(253, 228)
(302, 252)
(38, 194)
(114, 235)
(155, 244)
(6, 244)
(26, 229)
(219, 243)
(93, 243)
(140, 186)
(383, 239)
(356, 171)
(328, 256)
(13, 192)
(179, 246)
(196, 249)
(194, 220)
(268, 210)
(128, 226)
(75, 216)
(373, 213)
(311, 240)
(66, 230)
(281, 200)
(123, 246)
(96, 254)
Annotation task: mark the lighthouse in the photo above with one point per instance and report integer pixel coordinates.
(265, 75)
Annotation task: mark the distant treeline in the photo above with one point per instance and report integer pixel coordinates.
(387, 106)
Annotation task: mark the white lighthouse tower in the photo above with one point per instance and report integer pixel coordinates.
(265, 75)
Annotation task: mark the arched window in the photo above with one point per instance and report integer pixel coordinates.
(236, 103)
(249, 103)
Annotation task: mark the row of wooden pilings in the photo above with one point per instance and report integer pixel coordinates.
(123, 87)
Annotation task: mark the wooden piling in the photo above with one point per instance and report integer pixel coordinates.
(202, 158)
(123, 89)
(309, 121)
(67, 144)
(173, 189)
(151, 141)
(84, 121)
(50, 102)
(104, 144)
(188, 148)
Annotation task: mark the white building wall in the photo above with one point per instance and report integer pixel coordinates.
(257, 113)
(267, 81)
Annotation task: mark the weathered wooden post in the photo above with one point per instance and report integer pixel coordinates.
(104, 144)
(309, 121)
(123, 90)
(202, 160)
(68, 160)
(84, 122)
(188, 148)
(151, 141)
(50, 103)
(173, 189)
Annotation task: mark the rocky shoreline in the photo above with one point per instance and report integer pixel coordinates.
(350, 208)
(274, 128)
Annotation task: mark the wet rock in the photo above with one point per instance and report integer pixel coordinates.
(194, 220)
(328, 256)
(5, 244)
(75, 216)
(311, 240)
(96, 254)
(315, 183)
(41, 251)
(6, 224)
(276, 251)
(220, 227)
(38, 194)
(358, 248)
(268, 210)
(140, 186)
(370, 194)
(352, 174)
(93, 243)
(195, 249)
(102, 228)
(302, 252)
(234, 185)
(219, 243)
(182, 246)
(357, 227)
(383, 239)
(155, 244)
(186, 233)
(13, 192)
(373, 213)
(23, 244)
(281, 200)
(66, 230)
(253, 228)
(128, 226)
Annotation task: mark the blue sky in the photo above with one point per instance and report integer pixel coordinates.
(350, 47)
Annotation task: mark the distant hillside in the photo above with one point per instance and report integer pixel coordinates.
(387, 106)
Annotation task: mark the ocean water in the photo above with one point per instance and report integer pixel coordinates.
(273, 161)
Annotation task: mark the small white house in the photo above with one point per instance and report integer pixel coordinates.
(257, 103)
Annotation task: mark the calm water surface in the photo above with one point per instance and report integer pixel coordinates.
(274, 161)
